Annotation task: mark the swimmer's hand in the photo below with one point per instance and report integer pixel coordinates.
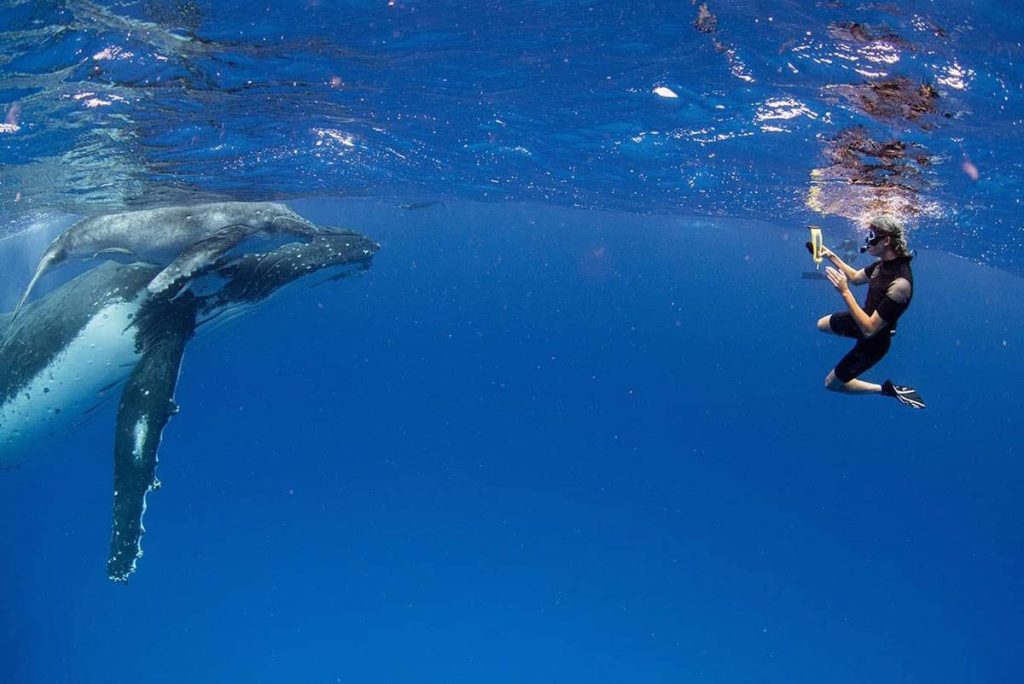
(829, 254)
(838, 280)
(834, 258)
(825, 252)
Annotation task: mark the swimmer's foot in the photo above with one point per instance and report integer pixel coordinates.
(907, 396)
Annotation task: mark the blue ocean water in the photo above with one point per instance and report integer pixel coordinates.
(570, 426)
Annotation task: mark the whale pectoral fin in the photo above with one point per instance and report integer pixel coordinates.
(199, 257)
(146, 405)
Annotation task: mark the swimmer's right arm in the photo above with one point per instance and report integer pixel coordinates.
(857, 277)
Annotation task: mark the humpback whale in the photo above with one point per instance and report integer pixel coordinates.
(67, 350)
(184, 240)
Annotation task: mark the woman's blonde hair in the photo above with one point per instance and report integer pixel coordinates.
(893, 227)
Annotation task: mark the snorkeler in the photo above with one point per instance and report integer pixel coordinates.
(890, 289)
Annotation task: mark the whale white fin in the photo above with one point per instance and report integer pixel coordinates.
(147, 403)
(199, 256)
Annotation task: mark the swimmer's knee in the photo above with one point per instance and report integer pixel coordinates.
(825, 323)
(832, 383)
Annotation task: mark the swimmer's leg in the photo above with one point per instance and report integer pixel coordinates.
(840, 323)
(854, 386)
(865, 354)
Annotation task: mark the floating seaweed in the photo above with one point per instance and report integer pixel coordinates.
(864, 176)
(705, 22)
(861, 160)
(864, 34)
(895, 98)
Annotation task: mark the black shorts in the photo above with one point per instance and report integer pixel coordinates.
(865, 354)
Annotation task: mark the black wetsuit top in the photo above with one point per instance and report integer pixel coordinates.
(890, 289)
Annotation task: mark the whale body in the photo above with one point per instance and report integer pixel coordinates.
(182, 240)
(105, 334)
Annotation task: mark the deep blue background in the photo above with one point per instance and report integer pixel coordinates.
(550, 445)
(571, 426)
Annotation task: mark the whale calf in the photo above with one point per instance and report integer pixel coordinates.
(183, 240)
(73, 348)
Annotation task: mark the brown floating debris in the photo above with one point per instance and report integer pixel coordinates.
(862, 176)
(896, 98)
(860, 160)
(705, 21)
(864, 34)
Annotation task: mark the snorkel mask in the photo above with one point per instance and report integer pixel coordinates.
(872, 239)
